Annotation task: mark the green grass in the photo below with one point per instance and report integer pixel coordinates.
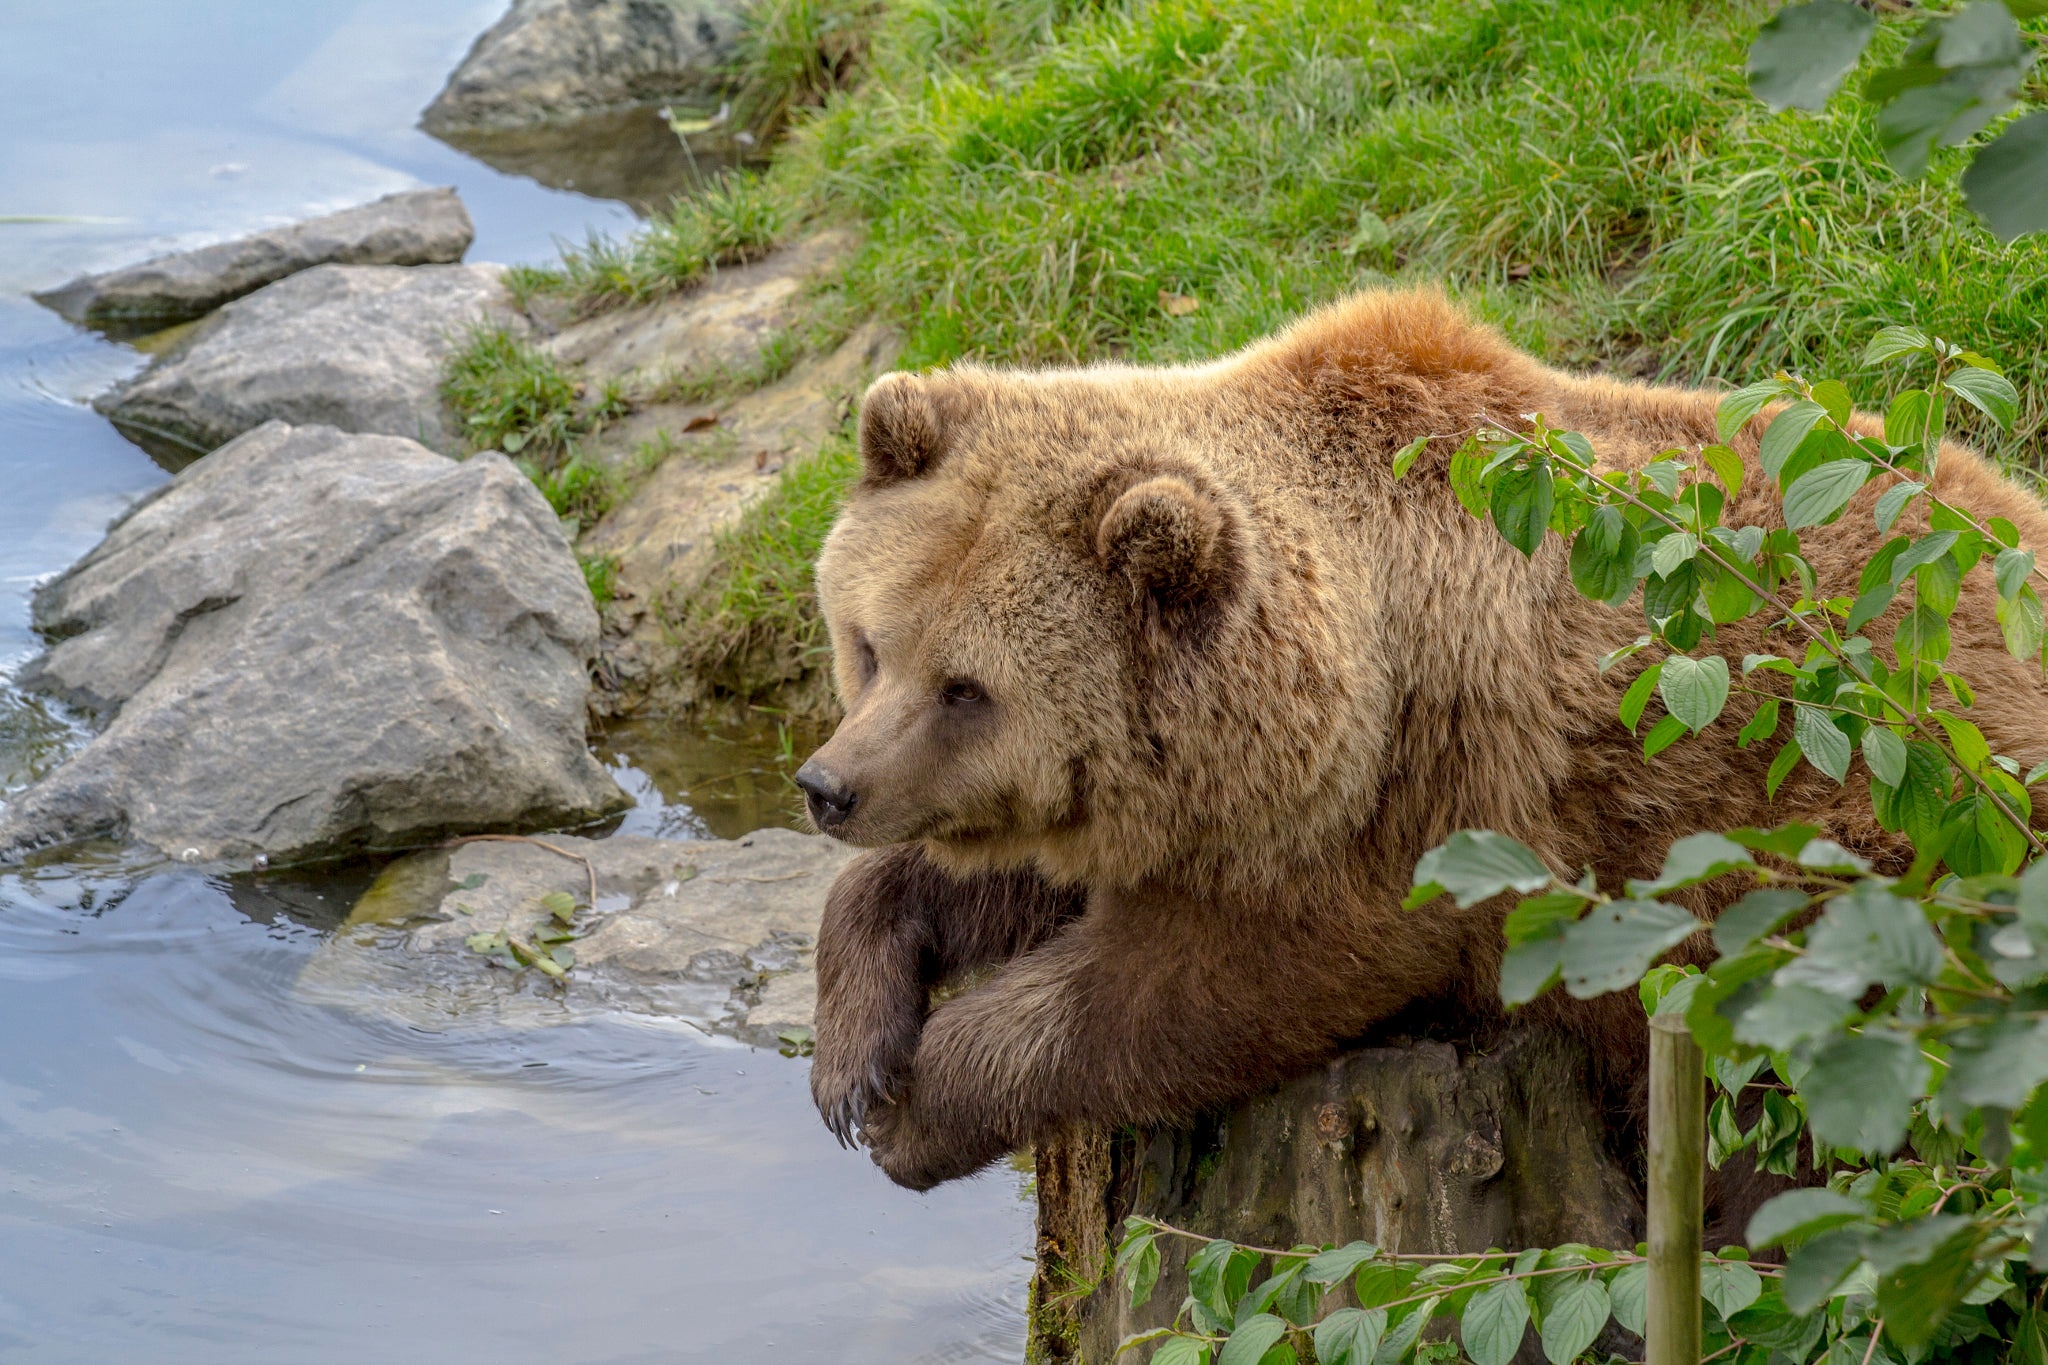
(511, 395)
(733, 221)
(1591, 175)
(755, 623)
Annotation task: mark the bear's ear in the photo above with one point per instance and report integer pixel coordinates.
(1174, 541)
(901, 434)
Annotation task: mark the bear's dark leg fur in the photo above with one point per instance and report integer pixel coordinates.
(895, 926)
(1117, 1020)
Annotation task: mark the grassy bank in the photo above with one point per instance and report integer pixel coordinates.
(1037, 178)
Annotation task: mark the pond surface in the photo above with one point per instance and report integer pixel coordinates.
(197, 1163)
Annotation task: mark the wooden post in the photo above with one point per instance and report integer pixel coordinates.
(1678, 1148)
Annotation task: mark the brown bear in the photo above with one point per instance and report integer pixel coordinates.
(1157, 683)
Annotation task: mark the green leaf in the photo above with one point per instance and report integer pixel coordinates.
(1521, 506)
(1894, 502)
(1737, 408)
(1638, 695)
(1182, 1351)
(1663, 735)
(472, 881)
(1404, 459)
(1529, 969)
(1892, 342)
(1885, 752)
(560, 904)
(1350, 1336)
(1860, 1089)
(1819, 495)
(1754, 916)
(1542, 916)
(1990, 393)
(1865, 937)
(1781, 768)
(1924, 1270)
(1665, 474)
(1803, 53)
(1823, 743)
(1833, 395)
(1825, 855)
(1730, 1286)
(1727, 467)
(1695, 858)
(1331, 1266)
(1473, 865)
(1601, 573)
(2020, 621)
(1573, 1318)
(1930, 547)
(1813, 1272)
(1999, 1064)
(1611, 948)
(1785, 433)
(2007, 183)
(2011, 570)
(1138, 1259)
(1694, 690)
(1786, 1015)
(1209, 1278)
(1673, 550)
(1628, 1296)
(1967, 740)
(1761, 726)
(1796, 1215)
(1251, 1339)
(1493, 1322)
(1957, 74)
(1922, 635)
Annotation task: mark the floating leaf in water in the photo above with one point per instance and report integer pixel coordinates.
(797, 1041)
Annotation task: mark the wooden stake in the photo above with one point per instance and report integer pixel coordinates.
(1678, 1148)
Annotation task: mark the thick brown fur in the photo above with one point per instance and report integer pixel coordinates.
(1158, 682)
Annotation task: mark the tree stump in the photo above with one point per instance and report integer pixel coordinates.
(1422, 1147)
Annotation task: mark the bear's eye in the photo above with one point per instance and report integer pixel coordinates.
(962, 692)
(864, 659)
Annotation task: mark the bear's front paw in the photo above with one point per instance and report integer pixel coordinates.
(852, 1079)
(917, 1155)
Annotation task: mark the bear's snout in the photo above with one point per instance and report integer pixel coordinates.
(829, 800)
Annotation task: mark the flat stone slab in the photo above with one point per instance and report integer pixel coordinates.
(418, 227)
(355, 347)
(717, 933)
(551, 60)
(311, 642)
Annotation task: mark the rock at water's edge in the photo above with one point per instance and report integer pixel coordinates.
(549, 60)
(718, 932)
(312, 642)
(357, 347)
(418, 227)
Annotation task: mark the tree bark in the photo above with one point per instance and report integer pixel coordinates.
(1425, 1147)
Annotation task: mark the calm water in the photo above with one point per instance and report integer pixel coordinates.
(198, 1165)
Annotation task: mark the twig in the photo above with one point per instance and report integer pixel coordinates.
(558, 851)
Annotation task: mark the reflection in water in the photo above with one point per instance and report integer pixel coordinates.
(690, 782)
(632, 156)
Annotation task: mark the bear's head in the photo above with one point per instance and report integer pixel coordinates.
(1074, 627)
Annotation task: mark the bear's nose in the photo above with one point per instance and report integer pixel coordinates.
(830, 800)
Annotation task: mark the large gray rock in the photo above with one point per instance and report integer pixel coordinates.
(418, 227)
(358, 347)
(718, 933)
(549, 60)
(312, 642)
